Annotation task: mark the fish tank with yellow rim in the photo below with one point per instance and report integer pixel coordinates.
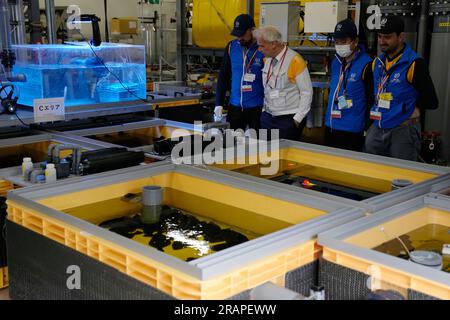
(404, 248)
(332, 172)
(217, 236)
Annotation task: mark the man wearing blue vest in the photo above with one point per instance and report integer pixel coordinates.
(241, 75)
(403, 90)
(351, 90)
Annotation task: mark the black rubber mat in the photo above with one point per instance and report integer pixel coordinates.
(416, 295)
(38, 265)
(38, 270)
(342, 283)
(300, 280)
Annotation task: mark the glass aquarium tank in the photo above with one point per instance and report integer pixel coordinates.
(84, 75)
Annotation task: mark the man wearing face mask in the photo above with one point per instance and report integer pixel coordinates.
(351, 90)
(403, 91)
(241, 75)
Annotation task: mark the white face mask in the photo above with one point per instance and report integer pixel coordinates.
(343, 50)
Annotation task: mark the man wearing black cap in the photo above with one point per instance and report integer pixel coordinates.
(351, 90)
(241, 75)
(403, 91)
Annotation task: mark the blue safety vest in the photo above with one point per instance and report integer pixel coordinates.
(240, 98)
(352, 119)
(404, 96)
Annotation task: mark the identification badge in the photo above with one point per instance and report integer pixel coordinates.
(385, 104)
(336, 114)
(249, 77)
(375, 115)
(384, 100)
(385, 96)
(274, 94)
(344, 103)
(247, 88)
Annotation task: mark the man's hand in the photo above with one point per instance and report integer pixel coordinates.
(416, 113)
(218, 114)
(297, 124)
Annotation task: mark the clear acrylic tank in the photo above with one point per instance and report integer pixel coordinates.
(74, 71)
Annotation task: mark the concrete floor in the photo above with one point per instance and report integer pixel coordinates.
(4, 294)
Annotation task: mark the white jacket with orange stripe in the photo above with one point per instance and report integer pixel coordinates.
(288, 89)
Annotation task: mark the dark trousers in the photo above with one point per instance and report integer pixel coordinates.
(353, 141)
(402, 142)
(285, 124)
(241, 118)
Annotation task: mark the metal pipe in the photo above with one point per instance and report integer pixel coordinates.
(422, 34)
(155, 36)
(5, 35)
(54, 151)
(215, 125)
(372, 42)
(251, 7)
(34, 21)
(105, 4)
(314, 49)
(181, 40)
(50, 13)
(161, 52)
(446, 128)
(50, 152)
(7, 57)
(17, 16)
(57, 150)
(152, 199)
(437, 120)
(77, 161)
(151, 38)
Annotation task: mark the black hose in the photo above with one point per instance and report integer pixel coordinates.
(422, 33)
(106, 21)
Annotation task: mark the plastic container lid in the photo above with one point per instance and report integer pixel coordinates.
(40, 178)
(426, 258)
(400, 183)
(50, 166)
(26, 159)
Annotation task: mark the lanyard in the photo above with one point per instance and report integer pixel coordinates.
(342, 79)
(245, 57)
(271, 71)
(384, 79)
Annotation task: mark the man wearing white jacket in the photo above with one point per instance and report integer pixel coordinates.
(288, 90)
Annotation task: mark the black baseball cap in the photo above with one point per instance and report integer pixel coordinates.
(242, 23)
(345, 29)
(391, 24)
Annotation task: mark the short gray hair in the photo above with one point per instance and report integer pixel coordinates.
(268, 34)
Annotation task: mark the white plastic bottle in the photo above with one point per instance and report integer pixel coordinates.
(50, 173)
(26, 165)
